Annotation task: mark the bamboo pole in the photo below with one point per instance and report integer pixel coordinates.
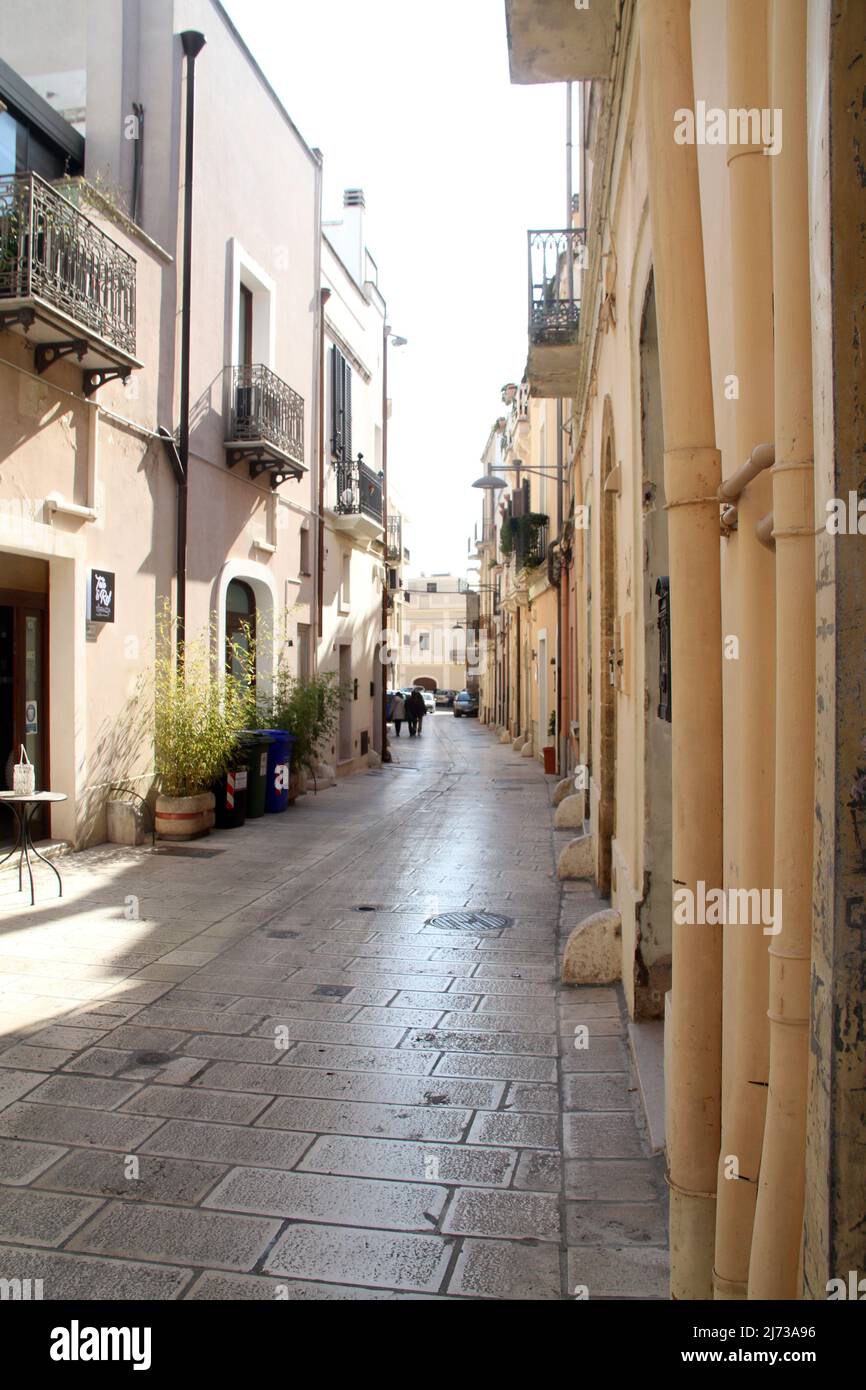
(692, 476)
(745, 1043)
(775, 1261)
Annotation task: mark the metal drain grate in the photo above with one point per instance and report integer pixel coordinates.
(284, 935)
(370, 907)
(469, 921)
(151, 1059)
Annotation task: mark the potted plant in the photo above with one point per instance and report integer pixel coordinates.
(309, 709)
(196, 726)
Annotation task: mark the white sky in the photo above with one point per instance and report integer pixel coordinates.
(412, 102)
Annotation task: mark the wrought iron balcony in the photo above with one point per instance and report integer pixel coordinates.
(359, 490)
(64, 281)
(556, 259)
(525, 538)
(265, 423)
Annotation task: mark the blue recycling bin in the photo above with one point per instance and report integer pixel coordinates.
(279, 769)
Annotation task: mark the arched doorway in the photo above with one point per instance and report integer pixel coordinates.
(240, 629)
(608, 672)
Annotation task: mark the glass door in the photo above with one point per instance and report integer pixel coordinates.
(23, 707)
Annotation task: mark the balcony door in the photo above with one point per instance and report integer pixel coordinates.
(245, 344)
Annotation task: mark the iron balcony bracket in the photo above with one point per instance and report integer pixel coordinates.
(97, 377)
(261, 462)
(49, 353)
(14, 318)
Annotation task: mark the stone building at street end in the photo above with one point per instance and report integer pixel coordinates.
(695, 352)
(96, 179)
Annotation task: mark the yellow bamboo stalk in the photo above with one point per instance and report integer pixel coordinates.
(692, 476)
(749, 809)
(775, 1259)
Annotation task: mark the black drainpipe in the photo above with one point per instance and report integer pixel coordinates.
(193, 42)
(138, 161)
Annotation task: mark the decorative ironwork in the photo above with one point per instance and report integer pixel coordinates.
(359, 489)
(395, 537)
(555, 257)
(265, 411)
(663, 593)
(525, 537)
(50, 250)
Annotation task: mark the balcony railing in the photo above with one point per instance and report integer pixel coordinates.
(555, 259)
(395, 533)
(266, 417)
(525, 538)
(359, 490)
(52, 254)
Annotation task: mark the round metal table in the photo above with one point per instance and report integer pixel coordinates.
(24, 809)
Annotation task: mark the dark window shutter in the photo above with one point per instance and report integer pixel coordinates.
(336, 403)
(347, 412)
(341, 407)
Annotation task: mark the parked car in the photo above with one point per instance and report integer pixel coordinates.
(465, 703)
(444, 698)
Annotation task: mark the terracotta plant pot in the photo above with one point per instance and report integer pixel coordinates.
(296, 785)
(184, 817)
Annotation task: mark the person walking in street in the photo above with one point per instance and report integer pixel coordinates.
(398, 713)
(417, 710)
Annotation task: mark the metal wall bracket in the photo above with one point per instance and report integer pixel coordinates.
(13, 318)
(48, 353)
(98, 376)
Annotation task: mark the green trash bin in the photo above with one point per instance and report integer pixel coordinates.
(256, 743)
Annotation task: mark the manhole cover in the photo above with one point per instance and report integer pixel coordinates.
(151, 1059)
(469, 921)
(284, 935)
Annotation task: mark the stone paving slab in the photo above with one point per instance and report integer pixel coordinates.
(506, 1215)
(156, 1179)
(228, 1143)
(41, 1218)
(399, 1206)
(432, 1122)
(507, 1269)
(414, 1263)
(68, 1277)
(21, 1163)
(182, 1103)
(178, 1234)
(443, 1163)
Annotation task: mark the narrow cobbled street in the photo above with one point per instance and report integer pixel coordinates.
(254, 1067)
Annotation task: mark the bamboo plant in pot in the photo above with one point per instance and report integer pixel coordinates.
(309, 709)
(197, 720)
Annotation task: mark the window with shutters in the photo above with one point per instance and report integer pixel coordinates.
(341, 408)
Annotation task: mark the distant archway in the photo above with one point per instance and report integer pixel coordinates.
(426, 683)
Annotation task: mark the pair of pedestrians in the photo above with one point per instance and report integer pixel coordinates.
(410, 708)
